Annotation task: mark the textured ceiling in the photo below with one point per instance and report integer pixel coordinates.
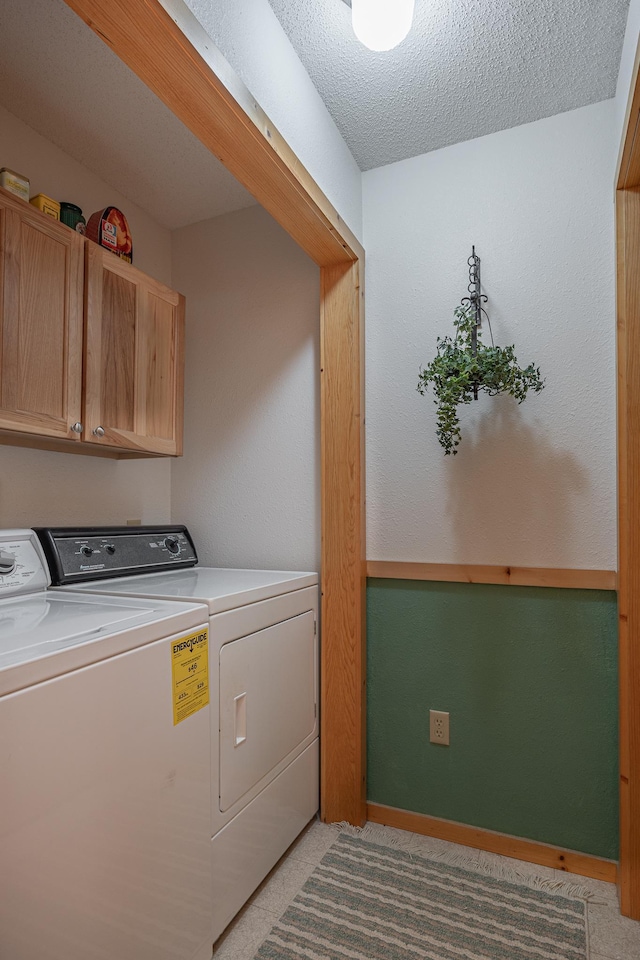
(58, 77)
(468, 68)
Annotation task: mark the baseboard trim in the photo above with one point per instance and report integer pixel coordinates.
(481, 573)
(544, 854)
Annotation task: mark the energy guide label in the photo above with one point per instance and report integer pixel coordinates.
(190, 674)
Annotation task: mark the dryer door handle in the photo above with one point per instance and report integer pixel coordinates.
(240, 719)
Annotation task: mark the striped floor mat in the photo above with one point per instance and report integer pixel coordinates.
(369, 902)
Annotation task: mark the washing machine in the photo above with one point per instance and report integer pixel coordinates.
(263, 665)
(104, 776)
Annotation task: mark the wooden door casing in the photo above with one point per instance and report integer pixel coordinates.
(628, 409)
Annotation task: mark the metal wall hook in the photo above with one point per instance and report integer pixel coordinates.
(475, 300)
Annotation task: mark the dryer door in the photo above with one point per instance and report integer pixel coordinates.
(267, 702)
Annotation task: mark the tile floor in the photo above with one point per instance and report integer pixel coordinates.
(611, 936)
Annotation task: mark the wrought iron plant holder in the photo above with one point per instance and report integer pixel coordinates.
(464, 366)
(475, 300)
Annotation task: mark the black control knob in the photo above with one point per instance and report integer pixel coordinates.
(172, 545)
(7, 563)
(110, 548)
(86, 551)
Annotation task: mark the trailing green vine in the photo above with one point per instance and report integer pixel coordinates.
(458, 372)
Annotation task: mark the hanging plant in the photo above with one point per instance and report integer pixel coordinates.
(464, 365)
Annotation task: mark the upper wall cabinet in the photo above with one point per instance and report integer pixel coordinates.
(91, 349)
(134, 358)
(41, 283)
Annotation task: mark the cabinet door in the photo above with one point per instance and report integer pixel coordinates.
(41, 278)
(134, 358)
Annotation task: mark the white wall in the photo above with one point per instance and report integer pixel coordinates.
(248, 485)
(532, 484)
(249, 35)
(54, 172)
(40, 487)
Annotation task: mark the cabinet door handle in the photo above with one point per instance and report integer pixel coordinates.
(98, 432)
(76, 427)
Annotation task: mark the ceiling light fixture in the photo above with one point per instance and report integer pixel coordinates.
(381, 24)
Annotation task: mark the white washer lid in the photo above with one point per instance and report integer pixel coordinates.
(219, 587)
(45, 634)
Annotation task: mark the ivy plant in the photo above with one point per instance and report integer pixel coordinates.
(458, 372)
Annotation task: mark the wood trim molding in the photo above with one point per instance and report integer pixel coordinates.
(477, 573)
(628, 332)
(628, 172)
(541, 853)
(167, 48)
(628, 376)
(343, 710)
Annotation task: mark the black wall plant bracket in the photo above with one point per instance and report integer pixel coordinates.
(464, 365)
(475, 300)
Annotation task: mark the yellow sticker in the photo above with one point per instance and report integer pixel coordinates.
(190, 674)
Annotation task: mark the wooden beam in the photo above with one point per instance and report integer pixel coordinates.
(343, 526)
(628, 287)
(478, 573)
(172, 54)
(571, 861)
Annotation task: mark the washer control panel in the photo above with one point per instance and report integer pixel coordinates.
(79, 554)
(22, 568)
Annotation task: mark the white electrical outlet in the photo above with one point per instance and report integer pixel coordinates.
(439, 727)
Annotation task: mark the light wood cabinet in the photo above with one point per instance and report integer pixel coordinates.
(134, 357)
(41, 322)
(91, 349)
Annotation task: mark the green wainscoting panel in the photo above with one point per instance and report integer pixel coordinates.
(529, 677)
